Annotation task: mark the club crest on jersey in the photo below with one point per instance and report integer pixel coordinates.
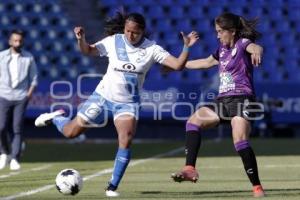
(245, 40)
(142, 52)
(233, 52)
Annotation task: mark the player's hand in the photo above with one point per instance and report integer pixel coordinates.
(79, 33)
(190, 39)
(256, 56)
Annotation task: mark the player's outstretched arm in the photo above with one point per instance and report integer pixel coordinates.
(83, 45)
(179, 63)
(202, 63)
(256, 52)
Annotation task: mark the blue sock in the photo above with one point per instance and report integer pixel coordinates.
(122, 159)
(60, 122)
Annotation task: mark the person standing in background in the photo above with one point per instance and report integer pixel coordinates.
(18, 79)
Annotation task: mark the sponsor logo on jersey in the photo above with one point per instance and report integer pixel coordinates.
(129, 68)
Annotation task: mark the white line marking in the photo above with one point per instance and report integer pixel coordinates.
(24, 171)
(133, 163)
(100, 173)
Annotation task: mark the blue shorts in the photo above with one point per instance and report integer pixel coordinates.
(96, 109)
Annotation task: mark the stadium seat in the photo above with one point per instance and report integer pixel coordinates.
(134, 8)
(184, 2)
(276, 3)
(175, 48)
(174, 76)
(205, 26)
(166, 3)
(195, 12)
(193, 76)
(156, 12)
(294, 13)
(147, 3)
(239, 3)
(255, 12)
(164, 25)
(238, 10)
(275, 13)
(213, 12)
(176, 12)
(183, 25)
(292, 52)
(173, 38)
(110, 3)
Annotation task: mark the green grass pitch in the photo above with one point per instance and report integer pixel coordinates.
(221, 172)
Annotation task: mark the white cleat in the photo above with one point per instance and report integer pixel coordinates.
(46, 118)
(110, 193)
(14, 165)
(3, 160)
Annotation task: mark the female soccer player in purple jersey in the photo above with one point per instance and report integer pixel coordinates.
(236, 56)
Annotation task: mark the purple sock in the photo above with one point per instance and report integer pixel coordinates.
(192, 143)
(191, 127)
(241, 145)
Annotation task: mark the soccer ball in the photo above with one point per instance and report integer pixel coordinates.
(68, 182)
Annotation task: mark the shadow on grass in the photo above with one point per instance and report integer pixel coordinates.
(225, 194)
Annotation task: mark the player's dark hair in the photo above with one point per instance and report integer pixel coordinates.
(116, 24)
(244, 28)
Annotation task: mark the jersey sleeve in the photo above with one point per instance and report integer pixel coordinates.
(216, 54)
(104, 45)
(159, 54)
(243, 43)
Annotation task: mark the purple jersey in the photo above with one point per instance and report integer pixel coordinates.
(235, 69)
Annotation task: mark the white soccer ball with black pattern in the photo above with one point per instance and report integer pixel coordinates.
(68, 182)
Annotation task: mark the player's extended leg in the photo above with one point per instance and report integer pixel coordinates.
(125, 126)
(201, 119)
(240, 132)
(69, 128)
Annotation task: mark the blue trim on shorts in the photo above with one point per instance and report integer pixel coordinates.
(96, 108)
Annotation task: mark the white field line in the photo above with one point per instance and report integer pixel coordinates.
(134, 163)
(24, 171)
(100, 173)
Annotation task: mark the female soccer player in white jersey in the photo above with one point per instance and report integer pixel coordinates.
(236, 56)
(130, 55)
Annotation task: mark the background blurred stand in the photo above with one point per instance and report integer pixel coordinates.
(266, 127)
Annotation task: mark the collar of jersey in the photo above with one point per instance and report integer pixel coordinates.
(132, 46)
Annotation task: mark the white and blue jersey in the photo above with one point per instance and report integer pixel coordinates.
(127, 67)
(119, 90)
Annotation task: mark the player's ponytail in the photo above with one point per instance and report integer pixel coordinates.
(243, 28)
(116, 24)
(248, 29)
